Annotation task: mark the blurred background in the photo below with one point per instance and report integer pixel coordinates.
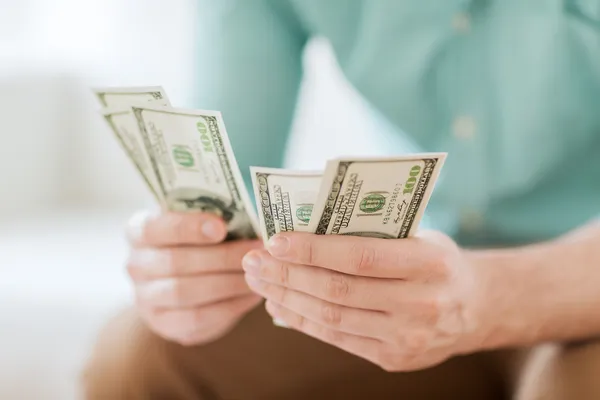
(67, 188)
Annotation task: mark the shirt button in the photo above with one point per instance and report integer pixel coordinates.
(471, 220)
(464, 127)
(461, 22)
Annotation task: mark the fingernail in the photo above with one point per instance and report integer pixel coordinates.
(212, 230)
(278, 245)
(253, 282)
(273, 311)
(280, 323)
(251, 263)
(137, 225)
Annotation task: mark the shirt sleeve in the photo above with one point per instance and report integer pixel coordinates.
(249, 67)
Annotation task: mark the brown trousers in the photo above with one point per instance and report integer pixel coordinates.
(260, 361)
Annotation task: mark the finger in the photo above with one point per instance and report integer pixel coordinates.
(345, 319)
(413, 303)
(364, 347)
(353, 255)
(188, 326)
(153, 229)
(153, 263)
(332, 286)
(190, 291)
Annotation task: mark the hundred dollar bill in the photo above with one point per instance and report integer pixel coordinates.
(126, 129)
(195, 165)
(375, 197)
(116, 102)
(284, 198)
(128, 96)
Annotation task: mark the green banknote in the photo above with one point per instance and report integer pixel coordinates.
(375, 197)
(116, 103)
(126, 129)
(194, 163)
(284, 198)
(128, 96)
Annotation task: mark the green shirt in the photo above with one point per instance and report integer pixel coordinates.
(509, 88)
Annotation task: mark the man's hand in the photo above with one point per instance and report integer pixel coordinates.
(402, 304)
(189, 286)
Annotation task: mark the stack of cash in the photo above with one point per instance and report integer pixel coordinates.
(187, 161)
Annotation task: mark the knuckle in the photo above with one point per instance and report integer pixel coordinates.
(438, 267)
(415, 343)
(185, 228)
(177, 293)
(431, 310)
(280, 293)
(147, 296)
(331, 314)
(171, 260)
(133, 270)
(283, 274)
(299, 323)
(337, 287)
(387, 360)
(176, 261)
(362, 259)
(333, 336)
(310, 254)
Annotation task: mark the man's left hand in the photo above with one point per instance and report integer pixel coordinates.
(402, 304)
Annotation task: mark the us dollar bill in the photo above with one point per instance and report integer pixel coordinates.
(192, 157)
(128, 96)
(284, 198)
(375, 197)
(116, 103)
(125, 127)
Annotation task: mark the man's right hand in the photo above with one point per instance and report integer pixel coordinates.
(189, 284)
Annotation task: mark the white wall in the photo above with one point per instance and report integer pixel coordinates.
(56, 150)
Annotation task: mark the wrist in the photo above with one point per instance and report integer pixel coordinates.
(508, 306)
(538, 293)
